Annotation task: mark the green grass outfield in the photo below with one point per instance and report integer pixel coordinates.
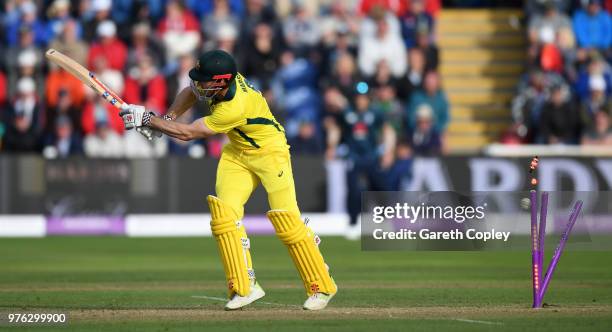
(157, 284)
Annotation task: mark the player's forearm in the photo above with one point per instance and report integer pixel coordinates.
(174, 129)
(183, 101)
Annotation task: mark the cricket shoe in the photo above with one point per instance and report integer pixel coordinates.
(318, 301)
(239, 301)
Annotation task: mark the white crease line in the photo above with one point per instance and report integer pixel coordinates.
(214, 298)
(477, 321)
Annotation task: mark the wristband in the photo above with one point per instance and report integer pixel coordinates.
(146, 118)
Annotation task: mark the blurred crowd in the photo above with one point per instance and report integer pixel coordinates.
(347, 78)
(565, 97)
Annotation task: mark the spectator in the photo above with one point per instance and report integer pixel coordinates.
(179, 80)
(601, 132)
(122, 15)
(145, 86)
(144, 45)
(28, 20)
(284, 8)
(301, 30)
(21, 136)
(414, 22)
(334, 45)
(64, 108)
(334, 104)
(425, 140)
(567, 47)
(150, 11)
(178, 30)
(595, 101)
(527, 105)
(260, 59)
(413, 79)
(383, 46)
(344, 75)
(386, 102)
(104, 143)
(539, 7)
(108, 46)
(22, 58)
(59, 15)
(341, 18)
(220, 15)
(596, 68)
(64, 142)
(202, 8)
(295, 91)
(593, 26)
(57, 80)
(101, 12)
(369, 24)
(432, 95)
(366, 7)
(257, 11)
(559, 122)
(68, 42)
(26, 104)
(226, 38)
(549, 24)
(432, 57)
(383, 75)
(307, 141)
(28, 65)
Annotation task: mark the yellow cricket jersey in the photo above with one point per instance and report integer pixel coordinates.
(246, 119)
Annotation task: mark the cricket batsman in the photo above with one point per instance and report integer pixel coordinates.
(257, 152)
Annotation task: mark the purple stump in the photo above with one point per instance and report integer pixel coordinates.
(541, 240)
(535, 268)
(559, 249)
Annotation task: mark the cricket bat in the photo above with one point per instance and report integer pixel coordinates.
(87, 77)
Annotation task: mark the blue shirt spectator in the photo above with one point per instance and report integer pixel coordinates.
(415, 21)
(593, 26)
(433, 96)
(122, 11)
(295, 90)
(204, 7)
(28, 19)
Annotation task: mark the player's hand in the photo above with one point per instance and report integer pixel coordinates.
(136, 116)
(133, 116)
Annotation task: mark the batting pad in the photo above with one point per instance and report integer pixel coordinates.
(233, 246)
(300, 240)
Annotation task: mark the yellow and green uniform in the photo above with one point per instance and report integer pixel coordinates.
(257, 153)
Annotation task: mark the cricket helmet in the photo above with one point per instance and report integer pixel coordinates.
(215, 66)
